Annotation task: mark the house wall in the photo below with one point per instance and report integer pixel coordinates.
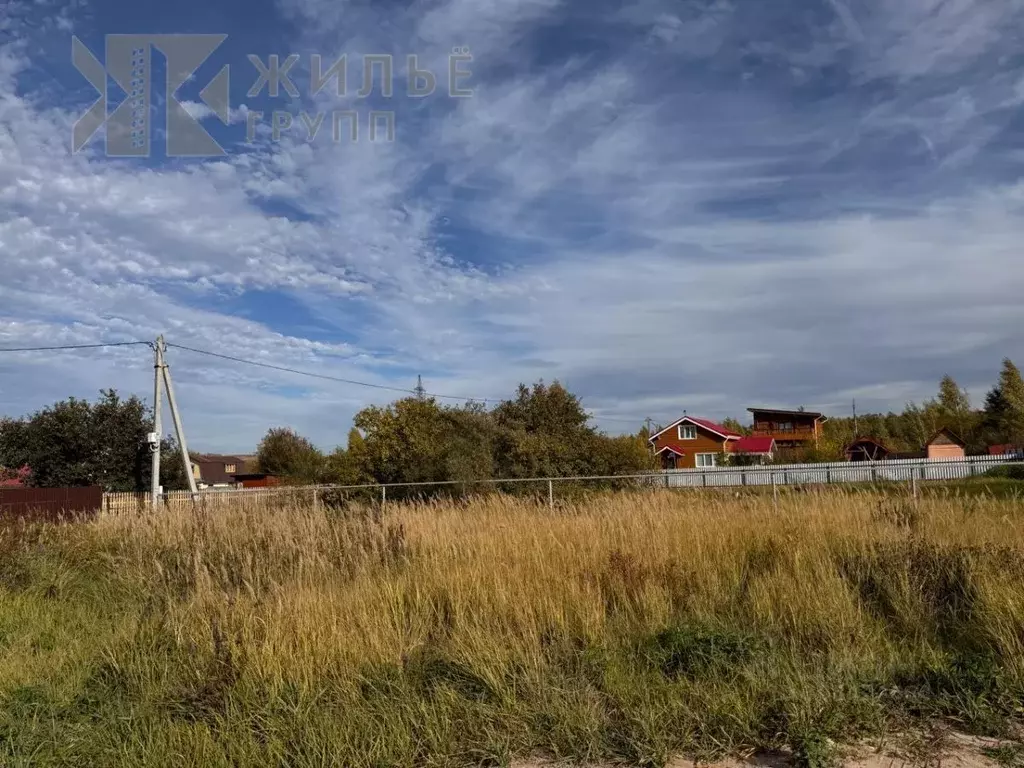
(706, 442)
(803, 427)
(945, 451)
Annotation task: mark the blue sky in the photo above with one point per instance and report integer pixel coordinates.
(668, 205)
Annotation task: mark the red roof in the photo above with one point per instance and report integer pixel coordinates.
(711, 426)
(753, 445)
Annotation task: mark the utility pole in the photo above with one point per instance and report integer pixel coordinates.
(179, 431)
(856, 433)
(155, 435)
(162, 379)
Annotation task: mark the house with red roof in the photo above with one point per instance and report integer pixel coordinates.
(692, 443)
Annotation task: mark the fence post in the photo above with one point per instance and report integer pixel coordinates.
(828, 475)
(383, 497)
(704, 479)
(551, 494)
(315, 494)
(775, 492)
(913, 484)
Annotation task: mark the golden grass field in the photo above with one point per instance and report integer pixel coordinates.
(629, 627)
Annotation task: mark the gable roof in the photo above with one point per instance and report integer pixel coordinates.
(710, 426)
(753, 445)
(949, 434)
(783, 412)
(676, 451)
(866, 440)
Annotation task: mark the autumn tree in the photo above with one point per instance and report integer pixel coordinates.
(287, 454)
(954, 408)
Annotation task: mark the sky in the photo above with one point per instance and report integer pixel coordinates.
(664, 204)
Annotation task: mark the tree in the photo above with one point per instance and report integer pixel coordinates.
(286, 454)
(954, 408)
(416, 440)
(543, 432)
(74, 443)
(1011, 388)
(735, 426)
(993, 418)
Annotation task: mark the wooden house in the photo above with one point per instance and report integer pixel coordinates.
(789, 429)
(692, 443)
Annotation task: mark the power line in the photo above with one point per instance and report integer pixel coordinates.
(418, 390)
(325, 377)
(74, 346)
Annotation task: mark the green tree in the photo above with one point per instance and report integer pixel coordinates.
(736, 426)
(1011, 388)
(993, 418)
(286, 454)
(418, 441)
(74, 443)
(543, 432)
(954, 408)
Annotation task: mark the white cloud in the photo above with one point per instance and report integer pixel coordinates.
(591, 219)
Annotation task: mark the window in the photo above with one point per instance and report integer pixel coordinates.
(229, 469)
(786, 426)
(705, 460)
(687, 432)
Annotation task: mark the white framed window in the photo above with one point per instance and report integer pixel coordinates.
(705, 460)
(687, 432)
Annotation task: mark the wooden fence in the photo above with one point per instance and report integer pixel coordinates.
(121, 503)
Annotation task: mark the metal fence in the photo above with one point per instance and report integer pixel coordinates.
(902, 470)
(49, 503)
(896, 470)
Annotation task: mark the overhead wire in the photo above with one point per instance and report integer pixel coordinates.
(271, 366)
(75, 346)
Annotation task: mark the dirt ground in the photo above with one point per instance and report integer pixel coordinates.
(937, 750)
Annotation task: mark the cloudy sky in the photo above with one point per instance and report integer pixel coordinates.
(665, 204)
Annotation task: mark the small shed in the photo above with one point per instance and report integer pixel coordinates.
(945, 444)
(866, 449)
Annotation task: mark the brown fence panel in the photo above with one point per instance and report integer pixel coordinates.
(50, 503)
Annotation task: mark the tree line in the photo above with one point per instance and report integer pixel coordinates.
(542, 431)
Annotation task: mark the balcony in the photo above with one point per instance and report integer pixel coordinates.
(783, 433)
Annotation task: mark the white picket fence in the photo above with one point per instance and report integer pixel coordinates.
(898, 470)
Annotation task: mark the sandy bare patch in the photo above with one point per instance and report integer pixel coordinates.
(939, 750)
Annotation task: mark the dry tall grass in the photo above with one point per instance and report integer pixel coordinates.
(629, 626)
